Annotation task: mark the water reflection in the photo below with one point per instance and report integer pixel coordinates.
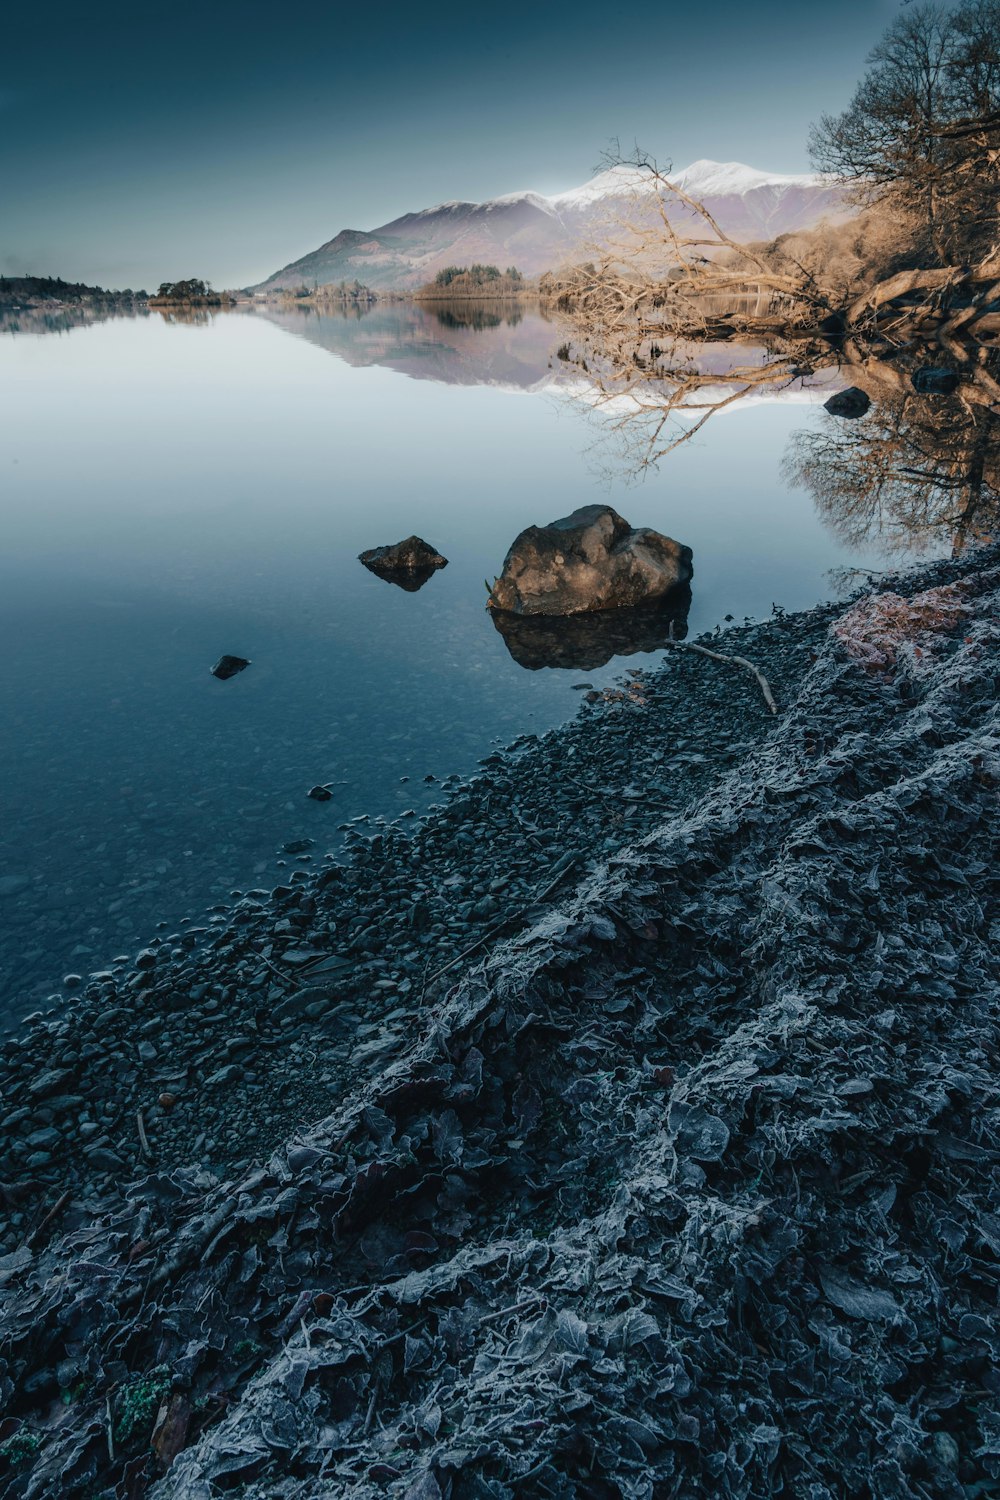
(411, 580)
(130, 561)
(586, 641)
(477, 315)
(457, 343)
(912, 465)
(914, 471)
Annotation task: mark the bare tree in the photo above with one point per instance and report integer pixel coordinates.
(921, 137)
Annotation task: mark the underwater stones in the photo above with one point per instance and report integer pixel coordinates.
(229, 666)
(589, 560)
(935, 381)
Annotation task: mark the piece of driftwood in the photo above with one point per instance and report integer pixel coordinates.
(737, 661)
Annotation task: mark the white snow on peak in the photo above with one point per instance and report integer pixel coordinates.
(623, 179)
(702, 179)
(724, 178)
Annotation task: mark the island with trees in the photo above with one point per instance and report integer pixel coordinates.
(190, 293)
(476, 282)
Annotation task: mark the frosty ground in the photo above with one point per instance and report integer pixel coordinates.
(683, 1183)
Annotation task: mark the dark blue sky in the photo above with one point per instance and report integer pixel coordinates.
(144, 143)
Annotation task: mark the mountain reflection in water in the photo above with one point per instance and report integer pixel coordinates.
(436, 340)
(586, 641)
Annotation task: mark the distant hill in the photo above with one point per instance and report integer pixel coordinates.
(538, 234)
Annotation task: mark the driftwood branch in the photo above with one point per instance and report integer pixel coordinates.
(140, 1126)
(736, 661)
(56, 1208)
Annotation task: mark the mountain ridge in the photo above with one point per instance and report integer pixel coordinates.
(537, 233)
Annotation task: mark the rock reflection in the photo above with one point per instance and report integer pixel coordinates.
(409, 579)
(585, 641)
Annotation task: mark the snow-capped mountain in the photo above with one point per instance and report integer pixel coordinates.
(538, 233)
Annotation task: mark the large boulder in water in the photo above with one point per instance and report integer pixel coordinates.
(408, 563)
(590, 560)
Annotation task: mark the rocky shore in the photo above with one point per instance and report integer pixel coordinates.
(230, 1033)
(627, 1127)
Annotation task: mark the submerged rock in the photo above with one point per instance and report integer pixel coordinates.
(229, 666)
(590, 560)
(589, 640)
(935, 381)
(408, 564)
(852, 403)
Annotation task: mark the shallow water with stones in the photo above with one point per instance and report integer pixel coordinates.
(173, 492)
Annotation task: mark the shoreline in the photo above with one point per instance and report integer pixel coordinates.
(333, 962)
(242, 1027)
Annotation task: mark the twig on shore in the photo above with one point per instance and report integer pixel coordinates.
(495, 930)
(59, 1204)
(737, 661)
(285, 978)
(509, 1312)
(617, 801)
(143, 1138)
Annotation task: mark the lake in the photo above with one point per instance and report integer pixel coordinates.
(174, 490)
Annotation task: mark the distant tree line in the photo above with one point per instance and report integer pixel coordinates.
(343, 291)
(28, 290)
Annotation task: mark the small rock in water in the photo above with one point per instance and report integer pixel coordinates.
(582, 687)
(408, 564)
(298, 846)
(933, 380)
(318, 794)
(228, 666)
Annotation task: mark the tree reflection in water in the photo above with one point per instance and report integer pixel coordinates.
(914, 469)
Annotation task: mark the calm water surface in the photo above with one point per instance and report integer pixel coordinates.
(171, 492)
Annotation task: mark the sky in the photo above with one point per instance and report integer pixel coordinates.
(148, 143)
